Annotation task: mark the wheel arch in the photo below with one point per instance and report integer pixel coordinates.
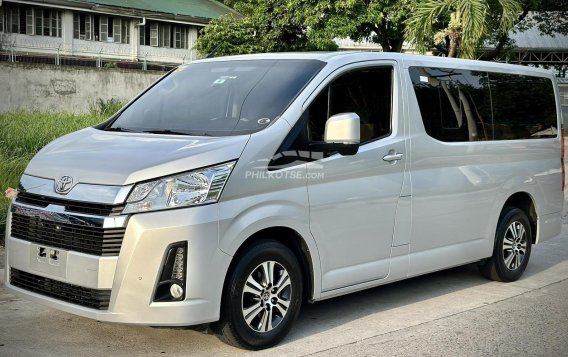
(525, 202)
(291, 239)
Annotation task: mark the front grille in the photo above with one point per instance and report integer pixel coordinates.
(91, 298)
(98, 209)
(79, 238)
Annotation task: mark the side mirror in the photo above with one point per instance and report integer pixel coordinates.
(343, 133)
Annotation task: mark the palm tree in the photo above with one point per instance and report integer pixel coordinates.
(468, 25)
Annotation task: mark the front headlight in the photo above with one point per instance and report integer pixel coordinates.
(187, 189)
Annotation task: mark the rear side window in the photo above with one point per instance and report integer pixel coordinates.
(523, 107)
(462, 105)
(455, 104)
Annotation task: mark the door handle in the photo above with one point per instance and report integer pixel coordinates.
(393, 156)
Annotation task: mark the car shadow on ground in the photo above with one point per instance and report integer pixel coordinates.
(326, 314)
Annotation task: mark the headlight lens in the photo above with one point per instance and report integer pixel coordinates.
(188, 189)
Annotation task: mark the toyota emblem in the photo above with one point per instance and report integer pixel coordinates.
(64, 184)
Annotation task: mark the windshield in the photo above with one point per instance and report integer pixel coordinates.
(218, 98)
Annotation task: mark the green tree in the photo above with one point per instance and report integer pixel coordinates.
(453, 27)
(303, 25)
(229, 35)
(378, 21)
(460, 25)
(548, 16)
(265, 26)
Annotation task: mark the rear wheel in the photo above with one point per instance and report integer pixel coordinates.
(512, 247)
(262, 298)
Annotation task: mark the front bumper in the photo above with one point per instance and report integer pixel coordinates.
(132, 275)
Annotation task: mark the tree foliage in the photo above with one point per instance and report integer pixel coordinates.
(548, 16)
(453, 27)
(303, 25)
(378, 21)
(461, 25)
(265, 26)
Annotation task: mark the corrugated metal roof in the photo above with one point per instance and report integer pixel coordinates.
(533, 39)
(208, 9)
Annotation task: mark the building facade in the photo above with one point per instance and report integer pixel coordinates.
(141, 30)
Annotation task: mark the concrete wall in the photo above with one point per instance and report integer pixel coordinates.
(37, 87)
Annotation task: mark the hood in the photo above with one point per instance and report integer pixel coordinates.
(113, 158)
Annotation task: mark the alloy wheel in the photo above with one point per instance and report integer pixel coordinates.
(514, 245)
(266, 296)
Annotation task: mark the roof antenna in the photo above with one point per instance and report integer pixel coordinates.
(212, 53)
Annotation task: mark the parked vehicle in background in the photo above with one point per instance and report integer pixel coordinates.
(236, 188)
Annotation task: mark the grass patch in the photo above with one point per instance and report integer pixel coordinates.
(105, 107)
(22, 135)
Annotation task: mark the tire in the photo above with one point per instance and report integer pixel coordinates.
(512, 248)
(250, 292)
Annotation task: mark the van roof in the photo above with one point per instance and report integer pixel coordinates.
(408, 59)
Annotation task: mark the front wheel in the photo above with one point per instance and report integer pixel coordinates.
(512, 247)
(262, 298)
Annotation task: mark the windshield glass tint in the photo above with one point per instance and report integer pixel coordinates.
(218, 98)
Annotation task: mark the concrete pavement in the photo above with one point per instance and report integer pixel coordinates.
(534, 323)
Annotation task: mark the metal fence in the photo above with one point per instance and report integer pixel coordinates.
(63, 60)
(94, 54)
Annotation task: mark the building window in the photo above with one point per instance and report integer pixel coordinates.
(13, 17)
(180, 36)
(160, 34)
(101, 28)
(27, 20)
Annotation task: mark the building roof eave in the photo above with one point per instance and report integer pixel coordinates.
(91, 6)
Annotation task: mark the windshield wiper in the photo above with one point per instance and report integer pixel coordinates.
(118, 129)
(165, 131)
(173, 132)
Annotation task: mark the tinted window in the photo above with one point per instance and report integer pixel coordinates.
(366, 92)
(455, 104)
(460, 105)
(219, 98)
(523, 107)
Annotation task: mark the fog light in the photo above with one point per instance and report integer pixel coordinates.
(171, 281)
(179, 264)
(176, 291)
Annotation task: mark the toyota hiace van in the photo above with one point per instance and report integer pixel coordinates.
(236, 188)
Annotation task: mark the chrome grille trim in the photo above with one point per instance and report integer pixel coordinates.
(51, 226)
(82, 192)
(86, 208)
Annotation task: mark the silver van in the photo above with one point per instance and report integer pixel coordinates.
(234, 189)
